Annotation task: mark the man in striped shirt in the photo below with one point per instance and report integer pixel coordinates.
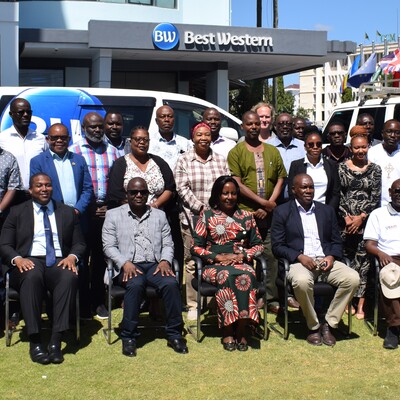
(99, 156)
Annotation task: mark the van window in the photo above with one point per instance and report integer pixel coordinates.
(135, 110)
(188, 114)
(3, 103)
(342, 115)
(378, 114)
(396, 113)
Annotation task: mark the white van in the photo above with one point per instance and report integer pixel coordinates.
(376, 99)
(138, 107)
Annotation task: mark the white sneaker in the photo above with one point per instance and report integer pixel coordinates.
(192, 314)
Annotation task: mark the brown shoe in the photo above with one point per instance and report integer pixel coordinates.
(314, 338)
(293, 303)
(327, 337)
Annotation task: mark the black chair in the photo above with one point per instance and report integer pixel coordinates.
(13, 295)
(205, 289)
(321, 289)
(373, 325)
(118, 292)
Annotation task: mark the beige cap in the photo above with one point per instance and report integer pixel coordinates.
(389, 276)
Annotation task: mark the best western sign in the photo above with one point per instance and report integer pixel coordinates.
(166, 37)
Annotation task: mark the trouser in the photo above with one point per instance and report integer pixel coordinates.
(32, 286)
(340, 275)
(135, 291)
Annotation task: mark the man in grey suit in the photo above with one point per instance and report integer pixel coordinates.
(137, 238)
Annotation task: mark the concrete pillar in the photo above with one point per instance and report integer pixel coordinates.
(217, 88)
(101, 68)
(9, 37)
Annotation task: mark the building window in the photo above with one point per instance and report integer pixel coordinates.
(41, 77)
(157, 3)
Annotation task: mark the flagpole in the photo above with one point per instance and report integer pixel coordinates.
(385, 48)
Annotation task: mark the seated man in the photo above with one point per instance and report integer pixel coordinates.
(137, 238)
(382, 240)
(306, 233)
(42, 241)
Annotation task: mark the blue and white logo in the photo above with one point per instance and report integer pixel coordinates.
(165, 36)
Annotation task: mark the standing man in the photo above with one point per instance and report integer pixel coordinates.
(337, 150)
(137, 238)
(71, 181)
(298, 128)
(266, 112)
(113, 129)
(290, 148)
(166, 143)
(306, 233)
(41, 242)
(219, 144)
(99, 156)
(367, 121)
(382, 240)
(259, 171)
(23, 142)
(387, 155)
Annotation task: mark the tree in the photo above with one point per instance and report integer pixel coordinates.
(284, 100)
(304, 112)
(347, 95)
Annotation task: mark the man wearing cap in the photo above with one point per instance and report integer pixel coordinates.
(382, 240)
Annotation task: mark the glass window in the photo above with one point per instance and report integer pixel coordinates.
(378, 114)
(188, 114)
(343, 116)
(41, 77)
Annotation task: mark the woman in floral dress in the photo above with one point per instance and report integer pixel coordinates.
(360, 194)
(226, 239)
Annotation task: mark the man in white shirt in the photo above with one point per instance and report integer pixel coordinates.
(387, 155)
(21, 141)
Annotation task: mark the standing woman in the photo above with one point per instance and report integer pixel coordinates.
(360, 182)
(195, 173)
(226, 239)
(323, 171)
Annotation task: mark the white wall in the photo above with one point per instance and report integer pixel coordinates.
(77, 14)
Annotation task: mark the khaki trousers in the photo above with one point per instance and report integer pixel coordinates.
(340, 275)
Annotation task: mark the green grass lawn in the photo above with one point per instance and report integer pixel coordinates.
(356, 368)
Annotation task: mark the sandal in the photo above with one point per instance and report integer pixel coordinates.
(229, 346)
(242, 346)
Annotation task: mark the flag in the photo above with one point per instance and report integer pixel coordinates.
(364, 73)
(366, 37)
(396, 75)
(378, 34)
(386, 60)
(353, 69)
(376, 75)
(394, 64)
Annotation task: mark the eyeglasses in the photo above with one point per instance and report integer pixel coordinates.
(367, 123)
(134, 192)
(334, 133)
(311, 145)
(283, 123)
(21, 113)
(55, 138)
(141, 139)
(395, 191)
(392, 132)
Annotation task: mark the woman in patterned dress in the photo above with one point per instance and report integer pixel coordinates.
(226, 239)
(360, 182)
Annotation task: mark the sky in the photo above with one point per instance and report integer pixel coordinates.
(342, 19)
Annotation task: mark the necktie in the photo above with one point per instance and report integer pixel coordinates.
(50, 252)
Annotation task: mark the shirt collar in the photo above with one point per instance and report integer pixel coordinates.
(57, 157)
(143, 217)
(37, 206)
(318, 164)
(161, 139)
(301, 208)
(391, 210)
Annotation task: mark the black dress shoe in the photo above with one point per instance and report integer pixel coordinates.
(55, 354)
(178, 345)
(391, 341)
(314, 338)
(39, 355)
(129, 347)
(327, 337)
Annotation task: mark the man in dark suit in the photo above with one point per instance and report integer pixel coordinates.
(72, 185)
(42, 241)
(306, 233)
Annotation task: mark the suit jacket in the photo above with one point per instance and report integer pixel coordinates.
(287, 234)
(333, 186)
(18, 230)
(83, 182)
(119, 243)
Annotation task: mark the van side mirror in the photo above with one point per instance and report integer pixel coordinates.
(229, 133)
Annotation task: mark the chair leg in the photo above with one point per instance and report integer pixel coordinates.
(198, 316)
(8, 331)
(286, 311)
(78, 318)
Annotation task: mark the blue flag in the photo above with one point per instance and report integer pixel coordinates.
(364, 73)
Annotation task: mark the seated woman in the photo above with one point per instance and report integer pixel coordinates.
(323, 171)
(139, 163)
(226, 239)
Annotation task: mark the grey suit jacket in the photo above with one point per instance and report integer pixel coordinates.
(118, 241)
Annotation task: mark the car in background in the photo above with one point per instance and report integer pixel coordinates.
(138, 107)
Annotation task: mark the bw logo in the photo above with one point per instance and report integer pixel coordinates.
(165, 36)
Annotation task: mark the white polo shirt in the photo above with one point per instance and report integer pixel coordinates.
(383, 226)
